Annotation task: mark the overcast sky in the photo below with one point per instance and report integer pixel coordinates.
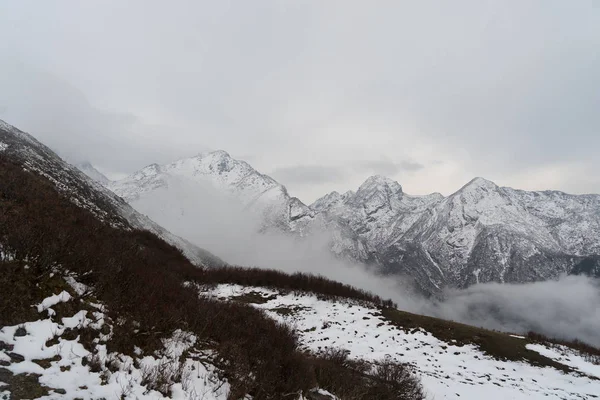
(318, 94)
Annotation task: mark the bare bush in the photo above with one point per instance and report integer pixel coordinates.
(354, 379)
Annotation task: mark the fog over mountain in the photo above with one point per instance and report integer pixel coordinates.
(564, 308)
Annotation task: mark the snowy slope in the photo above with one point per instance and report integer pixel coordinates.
(84, 192)
(449, 370)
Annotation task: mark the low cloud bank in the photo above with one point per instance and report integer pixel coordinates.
(567, 308)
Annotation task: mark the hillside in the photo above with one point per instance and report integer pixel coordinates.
(93, 307)
(452, 360)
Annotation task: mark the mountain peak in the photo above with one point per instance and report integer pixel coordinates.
(380, 183)
(325, 202)
(479, 182)
(215, 154)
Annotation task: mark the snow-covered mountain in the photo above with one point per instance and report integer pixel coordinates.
(481, 233)
(195, 176)
(192, 196)
(85, 192)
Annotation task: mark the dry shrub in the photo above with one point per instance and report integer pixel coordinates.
(354, 380)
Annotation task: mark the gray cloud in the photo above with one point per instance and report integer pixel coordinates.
(60, 115)
(509, 91)
(411, 166)
(566, 308)
(387, 167)
(308, 174)
(321, 174)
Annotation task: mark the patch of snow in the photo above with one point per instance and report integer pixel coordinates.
(567, 356)
(78, 287)
(53, 300)
(476, 273)
(70, 373)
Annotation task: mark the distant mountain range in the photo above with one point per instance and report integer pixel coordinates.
(481, 233)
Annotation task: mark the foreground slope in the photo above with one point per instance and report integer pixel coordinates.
(453, 360)
(21, 147)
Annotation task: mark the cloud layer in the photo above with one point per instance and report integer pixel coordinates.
(566, 308)
(440, 91)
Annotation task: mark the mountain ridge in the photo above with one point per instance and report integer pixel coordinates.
(480, 233)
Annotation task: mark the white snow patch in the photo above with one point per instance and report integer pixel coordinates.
(69, 372)
(476, 273)
(78, 287)
(567, 356)
(53, 300)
